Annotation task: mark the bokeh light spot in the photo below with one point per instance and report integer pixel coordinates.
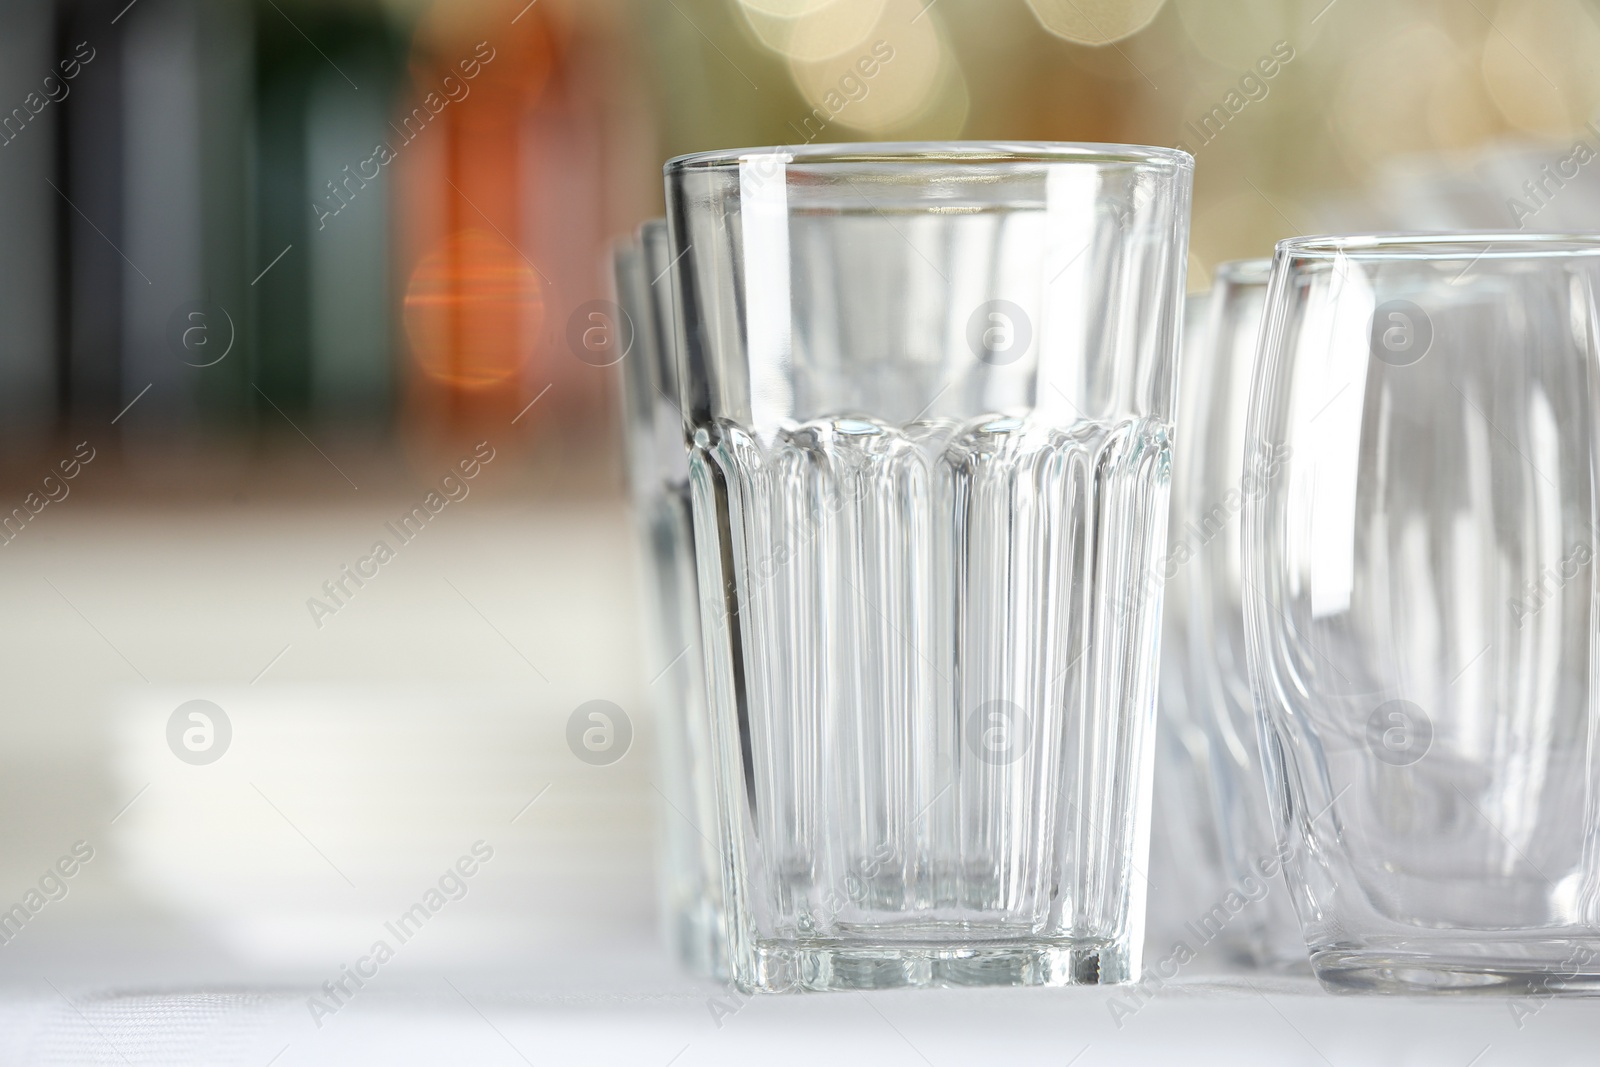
(826, 30)
(1094, 21)
(1519, 75)
(473, 311)
(891, 78)
(1236, 34)
(786, 9)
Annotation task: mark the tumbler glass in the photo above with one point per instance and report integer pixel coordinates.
(928, 390)
(1206, 701)
(1185, 853)
(690, 874)
(1420, 604)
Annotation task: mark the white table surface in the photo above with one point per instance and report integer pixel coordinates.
(370, 753)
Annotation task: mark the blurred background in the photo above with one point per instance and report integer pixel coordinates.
(280, 268)
(377, 218)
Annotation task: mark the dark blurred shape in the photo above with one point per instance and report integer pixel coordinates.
(151, 175)
(29, 110)
(325, 78)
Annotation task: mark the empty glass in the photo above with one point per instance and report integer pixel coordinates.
(1185, 854)
(658, 474)
(929, 392)
(1421, 607)
(1240, 912)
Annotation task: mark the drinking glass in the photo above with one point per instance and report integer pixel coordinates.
(690, 878)
(1240, 912)
(1185, 856)
(928, 389)
(1421, 608)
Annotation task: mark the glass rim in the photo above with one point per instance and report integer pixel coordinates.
(939, 153)
(621, 246)
(1439, 245)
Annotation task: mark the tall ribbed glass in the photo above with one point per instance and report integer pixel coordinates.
(928, 389)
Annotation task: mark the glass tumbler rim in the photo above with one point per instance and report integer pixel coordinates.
(940, 153)
(1437, 245)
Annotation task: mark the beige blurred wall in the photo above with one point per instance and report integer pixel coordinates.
(1361, 94)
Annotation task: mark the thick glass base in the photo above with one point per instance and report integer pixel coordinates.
(786, 966)
(1567, 967)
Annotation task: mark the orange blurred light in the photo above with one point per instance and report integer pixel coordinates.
(473, 311)
(474, 303)
(524, 46)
